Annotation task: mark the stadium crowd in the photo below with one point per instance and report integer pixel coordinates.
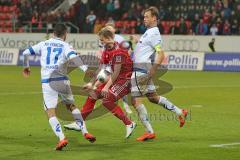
(200, 17)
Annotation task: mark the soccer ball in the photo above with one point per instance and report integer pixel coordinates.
(103, 75)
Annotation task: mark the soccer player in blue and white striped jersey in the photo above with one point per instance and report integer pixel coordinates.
(55, 55)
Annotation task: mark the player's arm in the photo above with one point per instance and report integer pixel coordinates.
(33, 50)
(112, 79)
(159, 57)
(156, 43)
(118, 61)
(76, 59)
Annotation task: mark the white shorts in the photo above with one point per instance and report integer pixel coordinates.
(51, 91)
(141, 84)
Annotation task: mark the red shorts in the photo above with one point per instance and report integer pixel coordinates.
(120, 88)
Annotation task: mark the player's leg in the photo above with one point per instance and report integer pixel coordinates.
(125, 104)
(86, 109)
(160, 100)
(117, 91)
(68, 100)
(50, 98)
(80, 122)
(143, 116)
(137, 92)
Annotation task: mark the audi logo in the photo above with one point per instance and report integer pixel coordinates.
(184, 45)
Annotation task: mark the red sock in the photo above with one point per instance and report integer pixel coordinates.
(117, 111)
(88, 107)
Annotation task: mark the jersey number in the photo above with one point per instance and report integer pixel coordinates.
(56, 51)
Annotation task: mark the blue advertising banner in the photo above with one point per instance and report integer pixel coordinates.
(33, 60)
(222, 62)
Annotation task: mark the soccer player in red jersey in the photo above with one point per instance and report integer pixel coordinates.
(118, 84)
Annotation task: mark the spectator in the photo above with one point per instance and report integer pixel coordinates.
(91, 20)
(183, 27)
(201, 28)
(97, 27)
(174, 29)
(226, 28)
(214, 30)
(110, 6)
(219, 26)
(140, 28)
(234, 27)
(167, 27)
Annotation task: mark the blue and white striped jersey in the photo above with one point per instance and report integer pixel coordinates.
(55, 54)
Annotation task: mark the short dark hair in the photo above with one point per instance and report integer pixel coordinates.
(60, 29)
(153, 10)
(105, 32)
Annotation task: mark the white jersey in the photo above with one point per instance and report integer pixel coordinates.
(54, 56)
(145, 49)
(119, 39)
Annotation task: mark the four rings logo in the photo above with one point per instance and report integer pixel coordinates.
(184, 45)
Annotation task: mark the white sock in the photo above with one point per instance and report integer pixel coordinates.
(142, 112)
(56, 127)
(79, 120)
(125, 101)
(169, 106)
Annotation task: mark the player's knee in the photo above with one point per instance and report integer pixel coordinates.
(51, 113)
(153, 99)
(71, 107)
(135, 102)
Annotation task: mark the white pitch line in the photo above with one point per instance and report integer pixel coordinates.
(224, 145)
(197, 106)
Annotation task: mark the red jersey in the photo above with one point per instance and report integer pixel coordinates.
(118, 56)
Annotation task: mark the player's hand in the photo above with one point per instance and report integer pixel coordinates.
(90, 73)
(26, 72)
(88, 86)
(104, 92)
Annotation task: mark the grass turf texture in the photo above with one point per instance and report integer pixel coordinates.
(212, 98)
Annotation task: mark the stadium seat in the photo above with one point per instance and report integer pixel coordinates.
(8, 24)
(13, 8)
(6, 9)
(2, 24)
(2, 17)
(126, 23)
(20, 30)
(7, 16)
(133, 23)
(119, 24)
(9, 30)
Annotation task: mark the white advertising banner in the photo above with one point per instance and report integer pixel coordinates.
(8, 56)
(184, 61)
(24, 40)
(90, 42)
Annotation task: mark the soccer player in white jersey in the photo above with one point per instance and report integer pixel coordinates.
(55, 53)
(142, 85)
(119, 39)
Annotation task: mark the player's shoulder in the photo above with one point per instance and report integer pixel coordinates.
(153, 31)
(118, 38)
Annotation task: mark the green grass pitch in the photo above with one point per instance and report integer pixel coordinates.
(213, 99)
